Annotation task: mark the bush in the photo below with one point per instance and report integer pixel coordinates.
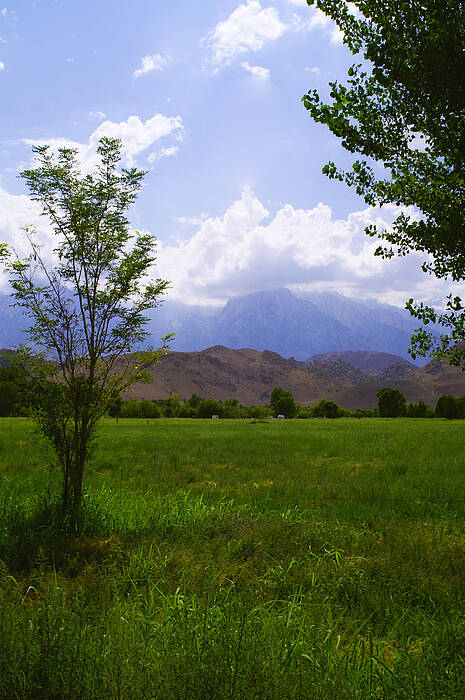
(140, 409)
(419, 410)
(130, 409)
(258, 411)
(305, 412)
(364, 413)
(326, 409)
(148, 409)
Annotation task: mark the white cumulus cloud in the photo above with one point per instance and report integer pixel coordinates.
(16, 213)
(163, 153)
(137, 136)
(2, 65)
(257, 71)
(151, 63)
(245, 250)
(314, 19)
(191, 220)
(248, 28)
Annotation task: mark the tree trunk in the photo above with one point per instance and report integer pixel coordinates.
(77, 480)
(66, 498)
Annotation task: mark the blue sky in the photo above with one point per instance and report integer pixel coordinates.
(206, 97)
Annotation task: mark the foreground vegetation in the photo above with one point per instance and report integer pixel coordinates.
(285, 559)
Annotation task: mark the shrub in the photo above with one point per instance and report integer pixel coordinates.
(258, 411)
(148, 409)
(326, 409)
(305, 412)
(419, 410)
(364, 413)
(130, 409)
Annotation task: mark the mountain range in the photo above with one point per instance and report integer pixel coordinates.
(289, 325)
(279, 321)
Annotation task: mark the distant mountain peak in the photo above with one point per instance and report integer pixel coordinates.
(281, 321)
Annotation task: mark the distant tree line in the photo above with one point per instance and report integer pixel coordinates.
(391, 404)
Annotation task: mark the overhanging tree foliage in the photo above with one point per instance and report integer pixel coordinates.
(404, 108)
(86, 309)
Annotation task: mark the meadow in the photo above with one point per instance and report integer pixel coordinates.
(320, 559)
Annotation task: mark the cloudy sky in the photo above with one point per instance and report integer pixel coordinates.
(206, 98)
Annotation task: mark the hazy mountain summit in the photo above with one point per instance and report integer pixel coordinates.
(292, 326)
(279, 321)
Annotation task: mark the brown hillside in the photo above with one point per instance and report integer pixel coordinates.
(427, 384)
(369, 361)
(250, 375)
(222, 373)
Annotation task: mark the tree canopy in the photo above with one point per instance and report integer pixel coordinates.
(282, 402)
(450, 407)
(391, 403)
(403, 108)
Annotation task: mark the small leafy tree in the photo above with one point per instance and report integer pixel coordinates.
(194, 401)
(114, 407)
(172, 406)
(209, 407)
(391, 403)
(282, 403)
(86, 310)
(186, 410)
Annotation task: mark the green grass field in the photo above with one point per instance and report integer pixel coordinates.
(216, 559)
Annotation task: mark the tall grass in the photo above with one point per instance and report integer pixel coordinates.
(313, 559)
